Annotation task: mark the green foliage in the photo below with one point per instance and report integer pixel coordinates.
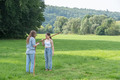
(60, 21)
(90, 24)
(114, 30)
(108, 27)
(95, 21)
(85, 26)
(66, 29)
(18, 17)
(41, 29)
(93, 28)
(51, 12)
(48, 28)
(100, 30)
(92, 21)
(72, 26)
(75, 26)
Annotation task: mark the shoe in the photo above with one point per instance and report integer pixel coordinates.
(46, 69)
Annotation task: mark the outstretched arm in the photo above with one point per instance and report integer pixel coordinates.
(43, 42)
(36, 45)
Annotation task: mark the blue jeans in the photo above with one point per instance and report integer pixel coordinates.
(48, 58)
(30, 58)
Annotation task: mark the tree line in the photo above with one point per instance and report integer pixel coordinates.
(18, 17)
(51, 12)
(89, 24)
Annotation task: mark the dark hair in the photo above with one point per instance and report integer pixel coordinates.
(49, 35)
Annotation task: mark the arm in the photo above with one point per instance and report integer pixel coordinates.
(43, 42)
(34, 43)
(52, 47)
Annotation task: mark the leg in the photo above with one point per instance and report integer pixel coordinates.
(50, 58)
(32, 62)
(27, 62)
(46, 59)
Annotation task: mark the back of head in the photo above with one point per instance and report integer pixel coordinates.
(49, 35)
(31, 34)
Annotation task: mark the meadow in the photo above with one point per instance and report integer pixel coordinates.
(118, 22)
(76, 57)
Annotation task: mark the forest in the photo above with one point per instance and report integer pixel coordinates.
(80, 21)
(51, 12)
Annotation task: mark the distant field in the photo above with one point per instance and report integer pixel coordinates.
(118, 22)
(77, 57)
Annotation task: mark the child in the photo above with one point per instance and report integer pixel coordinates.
(30, 52)
(49, 51)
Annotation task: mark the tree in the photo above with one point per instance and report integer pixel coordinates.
(60, 21)
(41, 29)
(100, 30)
(95, 21)
(51, 12)
(18, 17)
(76, 23)
(93, 28)
(105, 27)
(114, 30)
(48, 28)
(72, 26)
(85, 25)
(66, 29)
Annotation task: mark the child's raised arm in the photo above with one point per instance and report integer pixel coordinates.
(43, 42)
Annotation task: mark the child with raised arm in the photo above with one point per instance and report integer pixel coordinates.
(49, 51)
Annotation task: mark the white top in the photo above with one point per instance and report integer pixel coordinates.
(47, 43)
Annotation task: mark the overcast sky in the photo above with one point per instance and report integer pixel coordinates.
(111, 5)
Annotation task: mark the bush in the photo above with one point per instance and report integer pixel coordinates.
(112, 31)
(100, 30)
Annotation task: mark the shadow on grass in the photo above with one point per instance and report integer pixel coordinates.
(62, 45)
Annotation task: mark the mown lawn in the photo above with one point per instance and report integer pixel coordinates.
(77, 57)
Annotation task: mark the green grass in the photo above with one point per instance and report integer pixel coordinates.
(118, 22)
(77, 57)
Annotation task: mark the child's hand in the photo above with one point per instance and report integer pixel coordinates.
(52, 53)
(37, 43)
(42, 40)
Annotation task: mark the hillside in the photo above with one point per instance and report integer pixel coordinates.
(51, 12)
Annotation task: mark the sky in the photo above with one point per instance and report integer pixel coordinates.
(111, 5)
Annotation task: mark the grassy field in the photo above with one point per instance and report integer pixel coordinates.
(118, 22)
(77, 57)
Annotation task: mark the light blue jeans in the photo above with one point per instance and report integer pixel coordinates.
(48, 58)
(30, 58)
